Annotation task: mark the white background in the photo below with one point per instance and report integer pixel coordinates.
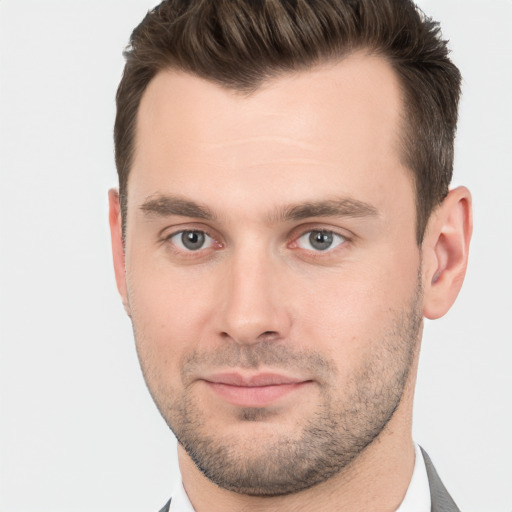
(78, 430)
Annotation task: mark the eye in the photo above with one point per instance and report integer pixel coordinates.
(192, 240)
(319, 240)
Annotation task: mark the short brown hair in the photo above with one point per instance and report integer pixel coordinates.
(240, 44)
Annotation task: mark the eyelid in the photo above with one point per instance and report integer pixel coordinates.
(303, 230)
(170, 231)
(208, 240)
(336, 240)
(326, 228)
(166, 234)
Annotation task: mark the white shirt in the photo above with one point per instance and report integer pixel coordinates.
(417, 498)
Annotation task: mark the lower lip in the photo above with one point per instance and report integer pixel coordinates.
(253, 396)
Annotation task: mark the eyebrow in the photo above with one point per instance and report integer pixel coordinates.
(340, 207)
(165, 206)
(168, 205)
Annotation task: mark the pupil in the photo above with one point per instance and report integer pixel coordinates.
(320, 240)
(192, 240)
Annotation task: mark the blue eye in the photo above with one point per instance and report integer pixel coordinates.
(319, 240)
(191, 240)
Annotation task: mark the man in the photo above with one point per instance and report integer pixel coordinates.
(283, 224)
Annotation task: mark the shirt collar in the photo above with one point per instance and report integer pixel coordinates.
(417, 498)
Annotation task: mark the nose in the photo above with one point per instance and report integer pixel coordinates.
(253, 306)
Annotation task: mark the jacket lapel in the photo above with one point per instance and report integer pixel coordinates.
(166, 507)
(440, 498)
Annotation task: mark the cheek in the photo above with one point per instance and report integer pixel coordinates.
(169, 312)
(352, 310)
(339, 318)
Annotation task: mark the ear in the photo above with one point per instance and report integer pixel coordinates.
(445, 252)
(116, 234)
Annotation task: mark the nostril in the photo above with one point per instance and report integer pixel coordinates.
(268, 335)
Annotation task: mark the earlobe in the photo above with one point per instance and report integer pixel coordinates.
(445, 252)
(116, 234)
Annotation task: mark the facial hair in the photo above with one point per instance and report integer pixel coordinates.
(347, 418)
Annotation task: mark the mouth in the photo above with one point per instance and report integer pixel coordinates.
(257, 390)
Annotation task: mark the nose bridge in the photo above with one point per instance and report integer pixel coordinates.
(252, 309)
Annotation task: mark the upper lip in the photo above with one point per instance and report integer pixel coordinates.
(252, 380)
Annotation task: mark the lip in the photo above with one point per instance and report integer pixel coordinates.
(256, 390)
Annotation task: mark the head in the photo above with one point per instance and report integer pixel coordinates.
(283, 225)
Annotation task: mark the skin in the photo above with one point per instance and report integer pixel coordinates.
(343, 323)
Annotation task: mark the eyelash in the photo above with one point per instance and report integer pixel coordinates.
(167, 240)
(292, 243)
(322, 231)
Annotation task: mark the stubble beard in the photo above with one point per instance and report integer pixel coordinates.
(344, 423)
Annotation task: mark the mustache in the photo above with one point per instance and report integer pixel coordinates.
(267, 354)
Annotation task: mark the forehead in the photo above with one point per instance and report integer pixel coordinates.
(341, 117)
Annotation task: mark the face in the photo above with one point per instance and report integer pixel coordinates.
(272, 272)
